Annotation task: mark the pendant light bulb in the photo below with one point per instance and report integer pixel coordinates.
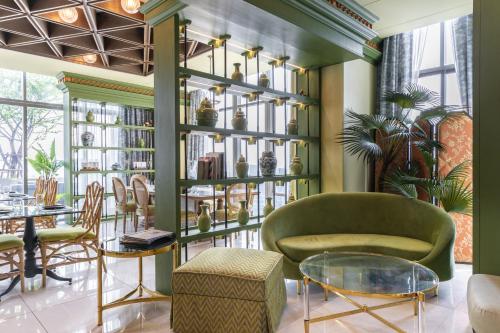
(131, 6)
(68, 15)
(90, 58)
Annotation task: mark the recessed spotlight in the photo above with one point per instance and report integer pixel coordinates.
(90, 58)
(68, 15)
(131, 6)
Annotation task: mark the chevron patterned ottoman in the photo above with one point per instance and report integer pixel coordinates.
(225, 290)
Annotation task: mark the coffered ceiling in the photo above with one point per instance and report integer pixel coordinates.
(120, 40)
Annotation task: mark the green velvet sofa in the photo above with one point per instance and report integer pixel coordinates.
(362, 222)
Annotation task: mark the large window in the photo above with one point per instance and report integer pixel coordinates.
(31, 117)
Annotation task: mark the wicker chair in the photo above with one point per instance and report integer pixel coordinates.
(84, 233)
(11, 247)
(141, 197)
(122, 205)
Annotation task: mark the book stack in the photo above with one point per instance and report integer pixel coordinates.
(146, 237)
(211, 166)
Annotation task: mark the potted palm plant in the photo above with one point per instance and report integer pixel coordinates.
(388, 139)
(45, 163)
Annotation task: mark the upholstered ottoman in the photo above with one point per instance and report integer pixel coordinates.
(483, 295)
(227, 290)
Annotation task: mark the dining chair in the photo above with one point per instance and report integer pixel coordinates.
(141, 197)
(11, 247)
(84, 234)
(142, 178)
(122, 204)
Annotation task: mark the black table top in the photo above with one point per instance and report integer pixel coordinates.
(115, 246)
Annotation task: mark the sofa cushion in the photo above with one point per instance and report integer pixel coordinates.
(299, 248)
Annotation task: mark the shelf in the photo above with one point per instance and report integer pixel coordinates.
(220, 230)
(128, 127)
(105, 172)
(205, 81)
(112, 148)
(245, 134)
(229, 181)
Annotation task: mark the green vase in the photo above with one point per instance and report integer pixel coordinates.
(89, 117)
(204, 220)
(118, 120)
(268, 208)
(243, 214)
(141, 143)
(241, 167)
(296, 166)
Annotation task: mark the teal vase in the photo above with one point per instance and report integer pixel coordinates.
(268, 208)
(204, 220)
(243, 214)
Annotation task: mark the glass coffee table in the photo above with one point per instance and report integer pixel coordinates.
(369, 275)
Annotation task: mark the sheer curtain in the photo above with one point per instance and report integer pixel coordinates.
(462, 39)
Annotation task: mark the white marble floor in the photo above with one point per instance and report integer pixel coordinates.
(73, 308)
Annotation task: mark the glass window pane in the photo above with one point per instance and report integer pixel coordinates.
(431, 52)
(11, 148)
(432, 82)
(449, 47)
(42, 88)
(11, 84)
(452, 92)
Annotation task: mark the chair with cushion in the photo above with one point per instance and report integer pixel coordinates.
(11, 247)
(362, 222)
(122, 204)
(57, 246)
(141, 197)
(483, 293)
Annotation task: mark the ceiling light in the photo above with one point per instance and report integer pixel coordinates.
(68, 15)
(90, 58)
(131, 6)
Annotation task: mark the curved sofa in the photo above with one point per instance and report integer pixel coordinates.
(361, 222)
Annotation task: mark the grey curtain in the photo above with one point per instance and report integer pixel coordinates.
(462, 38)
(195, 142)
(396, 68)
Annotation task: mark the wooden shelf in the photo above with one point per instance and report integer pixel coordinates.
(205, 81)
(229, 181)
(219, 230)
(128, 127)
(244, 134)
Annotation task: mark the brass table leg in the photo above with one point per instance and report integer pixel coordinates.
(140, 277)
(99, 288)
(306, 305)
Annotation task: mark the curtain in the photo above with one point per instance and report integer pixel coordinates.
(462, 39)
(396, 69)
(195, 142)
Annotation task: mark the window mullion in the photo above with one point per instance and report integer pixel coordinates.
(25, 138)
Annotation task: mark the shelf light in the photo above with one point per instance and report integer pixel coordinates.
(183, 25)
(131, 6)
(218, 138)
(280, 183)
(300, 106)
(303, 181)
(68, 15)
(219, 89)
(252, 97)
(218, 42)
(278, 101)
(251, 140)
(252, 53)
(252, 186)
(219, 187)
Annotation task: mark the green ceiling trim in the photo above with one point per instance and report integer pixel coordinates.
(362, 11)
(372, 55)
(157, 11)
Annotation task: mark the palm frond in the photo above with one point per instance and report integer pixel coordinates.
(359, 142)
(456, 196)
(428, 145)
(398, 183)
(460, 171)
(414, 96)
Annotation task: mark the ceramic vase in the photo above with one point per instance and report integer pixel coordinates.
(87, 139)
(268, 208)
(292, 127)
(118, 120)
(241, 167)
(116, 166)
(296, 166)
(239, 122)
(89, 117)
(243, 214)
(263, 81)
(141, 143)
(206, 115)
(204, 220)
(268, 164)
(237, 75)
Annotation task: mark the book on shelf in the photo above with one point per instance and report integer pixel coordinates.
(146, 237)
(211, 166)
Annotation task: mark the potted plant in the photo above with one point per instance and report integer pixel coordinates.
(45, 163)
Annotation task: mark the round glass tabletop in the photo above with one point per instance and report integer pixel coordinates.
(373, 274)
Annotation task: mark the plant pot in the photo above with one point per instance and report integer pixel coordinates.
(292, 127)
(90, 117)
(268, 208)
(237, 75)
(87, 139)
(239, 122)
(296, 166)
(263, 81)
(268, 164)
(241, 167)
(243, 214)
(206, 115)
(204, 220)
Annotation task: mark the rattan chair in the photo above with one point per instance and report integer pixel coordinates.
(11, 247)
(141, 197)
(142, 178)
(84, 234)
(122, 205)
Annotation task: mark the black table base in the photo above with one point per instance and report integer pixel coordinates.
(31, 269)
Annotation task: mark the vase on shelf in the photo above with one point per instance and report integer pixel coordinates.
(206, 115)
(90, 117)
(204, 220)
(296, 166)
(268, 208)
(263, 81)
(141, 143)
(239, 121)
(292, 127)
(118, 120)
(116, 166)
(241, 167)
(291, 198)
(237, 75)
(87, 139)
(268, 164)
(243, 214)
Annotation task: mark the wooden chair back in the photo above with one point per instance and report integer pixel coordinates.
(141, 193)
(142, 178)
(90, 218)
(120, 192)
